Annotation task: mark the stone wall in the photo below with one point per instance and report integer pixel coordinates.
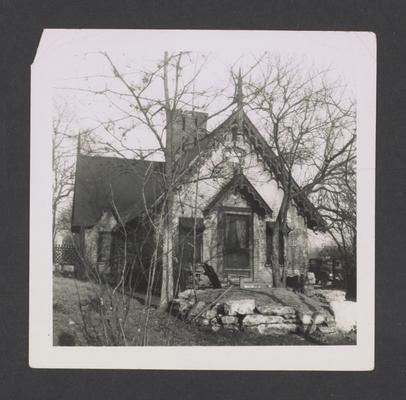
(297, 243)
(216, 171)
(262, 272)
(245, 314)
(91, 237)
(211, 247)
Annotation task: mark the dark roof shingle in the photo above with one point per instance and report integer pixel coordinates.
(100, 181)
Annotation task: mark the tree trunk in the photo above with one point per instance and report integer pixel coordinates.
(53, 223)
(276, 268)
(348, 257)
(279, 245)
(351, 273)
(167, 259)
(351, 280)
(167, 268)
(285, 254)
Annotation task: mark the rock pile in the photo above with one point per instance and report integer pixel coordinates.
(246, 315)
(344, 311)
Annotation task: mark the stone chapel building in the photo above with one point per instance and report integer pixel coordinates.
(225, 204)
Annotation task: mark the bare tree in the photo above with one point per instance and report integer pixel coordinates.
(338, 205)
(311, 128)
(62, 161)
(149, 100)
(67, 142)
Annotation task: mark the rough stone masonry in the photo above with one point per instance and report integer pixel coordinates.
(246, 310)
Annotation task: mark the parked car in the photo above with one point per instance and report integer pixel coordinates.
(326, 270)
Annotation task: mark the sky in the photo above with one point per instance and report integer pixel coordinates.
(75, 64)
(69, 47)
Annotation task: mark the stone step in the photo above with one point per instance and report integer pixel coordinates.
(253, 284)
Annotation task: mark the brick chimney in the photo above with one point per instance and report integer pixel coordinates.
(189, 127)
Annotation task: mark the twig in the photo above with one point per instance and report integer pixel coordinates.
(213, 302)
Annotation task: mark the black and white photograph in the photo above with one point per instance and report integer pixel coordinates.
(199, 191)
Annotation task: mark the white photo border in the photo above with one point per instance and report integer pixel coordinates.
(42, 353)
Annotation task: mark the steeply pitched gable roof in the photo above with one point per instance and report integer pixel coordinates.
(260, 145)
(239, 183)
(96, 176)
(100, 181)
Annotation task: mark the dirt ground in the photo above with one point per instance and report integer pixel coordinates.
(162, 328)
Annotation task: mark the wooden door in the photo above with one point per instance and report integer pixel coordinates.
(236, 246)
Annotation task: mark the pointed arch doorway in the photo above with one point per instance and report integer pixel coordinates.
(237, 244)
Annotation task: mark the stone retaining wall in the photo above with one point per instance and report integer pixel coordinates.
(246, 315)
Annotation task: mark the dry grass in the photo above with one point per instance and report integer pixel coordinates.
(162, 330)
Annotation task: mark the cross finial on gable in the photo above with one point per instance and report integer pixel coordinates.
(238, 99)
(238, 92)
